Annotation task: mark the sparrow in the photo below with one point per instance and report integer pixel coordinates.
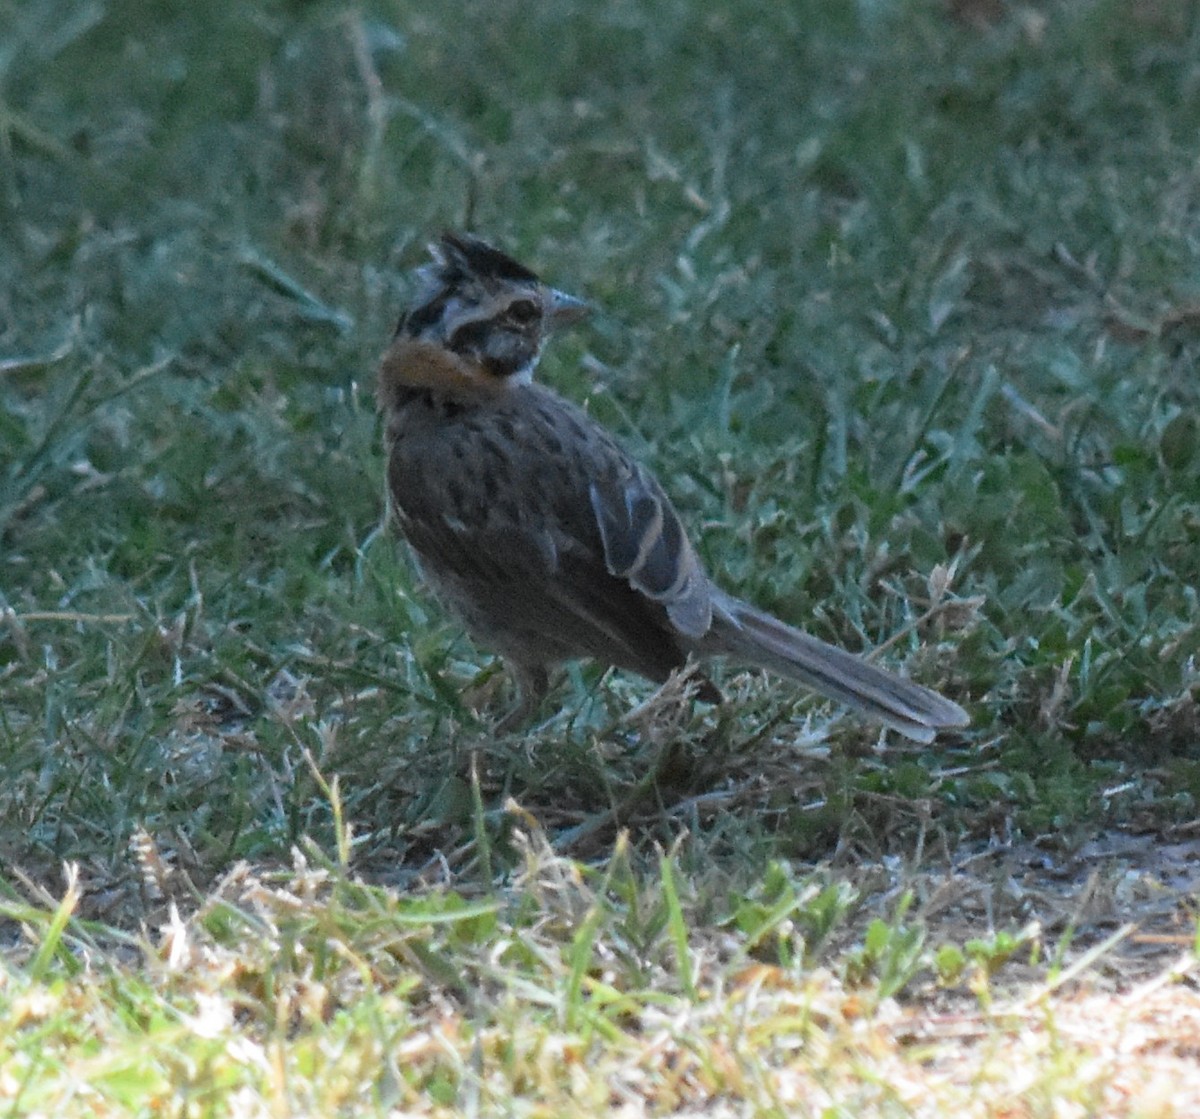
(547, 538)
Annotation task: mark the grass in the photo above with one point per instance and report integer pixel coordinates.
(899, 299)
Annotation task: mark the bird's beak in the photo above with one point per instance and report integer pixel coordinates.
(562, 309)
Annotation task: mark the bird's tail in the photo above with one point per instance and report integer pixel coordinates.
(754, 636)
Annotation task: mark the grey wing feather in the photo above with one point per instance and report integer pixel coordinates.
(645, 544)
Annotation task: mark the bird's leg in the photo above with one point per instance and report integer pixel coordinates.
(533, 682)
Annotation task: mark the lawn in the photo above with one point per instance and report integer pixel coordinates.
(901, 301)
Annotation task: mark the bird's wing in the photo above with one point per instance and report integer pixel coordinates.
(646, 545)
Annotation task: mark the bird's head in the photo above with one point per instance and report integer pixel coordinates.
(485, 308)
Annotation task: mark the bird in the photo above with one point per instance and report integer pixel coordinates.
(548, 539)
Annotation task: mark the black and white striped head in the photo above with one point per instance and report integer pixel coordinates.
(485, 307)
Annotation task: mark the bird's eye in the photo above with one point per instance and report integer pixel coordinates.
(523, 310)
